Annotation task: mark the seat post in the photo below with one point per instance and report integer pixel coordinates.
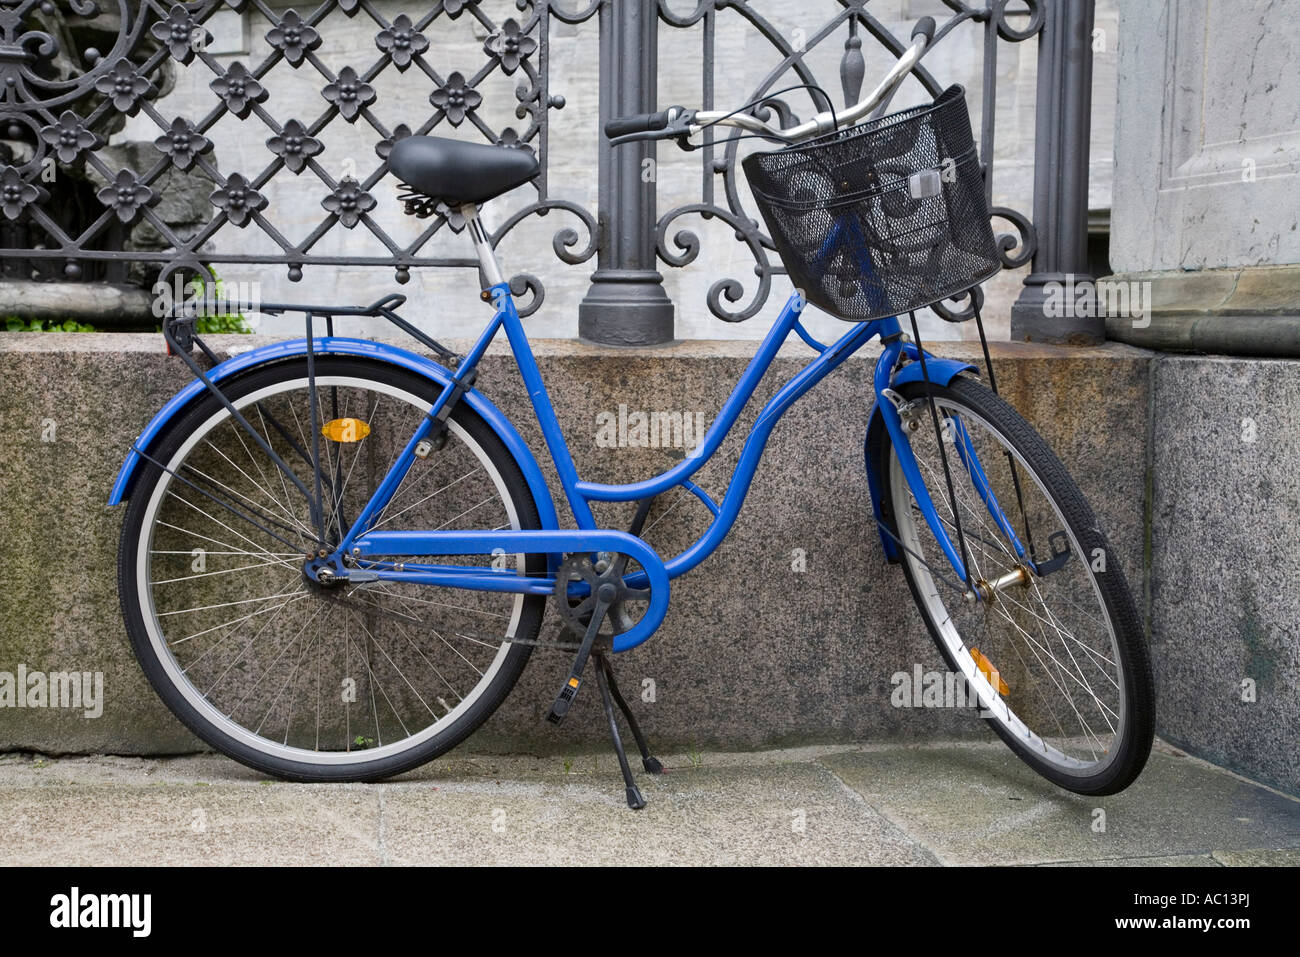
(487, 256)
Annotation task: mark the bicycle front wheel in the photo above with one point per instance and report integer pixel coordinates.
(1056, 660)
(304, 681)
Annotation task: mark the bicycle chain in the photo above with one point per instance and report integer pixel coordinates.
(533, 642)
(460, 633)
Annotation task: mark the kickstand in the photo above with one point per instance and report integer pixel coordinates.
(651, 764)
(605, 681)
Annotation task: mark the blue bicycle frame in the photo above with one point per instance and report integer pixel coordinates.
(377, 550)
(580, 494)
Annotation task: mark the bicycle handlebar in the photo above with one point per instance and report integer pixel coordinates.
(636, 123)
(674, 121)
(679, 123)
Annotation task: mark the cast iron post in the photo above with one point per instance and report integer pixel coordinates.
(1061, 129)
(626, 303)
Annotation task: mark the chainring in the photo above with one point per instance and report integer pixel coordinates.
(575, 611)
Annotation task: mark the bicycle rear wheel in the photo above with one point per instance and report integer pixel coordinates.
(1057, 662)
(306, 682)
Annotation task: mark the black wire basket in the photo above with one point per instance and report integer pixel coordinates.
(882, 218)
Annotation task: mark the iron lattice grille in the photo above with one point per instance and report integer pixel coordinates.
(58, 106)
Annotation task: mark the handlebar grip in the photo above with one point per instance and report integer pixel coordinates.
(636, 123)
(924, 28)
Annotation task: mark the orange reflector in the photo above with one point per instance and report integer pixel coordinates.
(345, 430)
(573, 682)
(992, 674)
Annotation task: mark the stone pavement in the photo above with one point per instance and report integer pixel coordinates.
(888, 804)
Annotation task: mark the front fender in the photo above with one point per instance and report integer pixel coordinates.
(359, 348)
(876, 444)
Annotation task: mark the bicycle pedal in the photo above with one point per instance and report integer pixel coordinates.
(563, 700)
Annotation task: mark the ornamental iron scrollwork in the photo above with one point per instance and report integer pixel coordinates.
(853, 22)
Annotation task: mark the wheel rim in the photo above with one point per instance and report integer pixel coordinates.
(359, 635)
(1052, 643)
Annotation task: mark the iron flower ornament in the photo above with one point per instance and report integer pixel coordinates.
(124, 87)
(510, 45)
(402, 42)
(456, 99)
(238, 200)
(183, 143)
(126, 196)
(295, 146)
(293, 37)
(349, 202)
(68, 137)
(239, 89)
(16, 194)
(180, 34)
(349, 93)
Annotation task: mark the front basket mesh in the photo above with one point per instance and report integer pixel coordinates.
(861, 234)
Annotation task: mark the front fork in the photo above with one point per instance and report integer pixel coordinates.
(888, 403)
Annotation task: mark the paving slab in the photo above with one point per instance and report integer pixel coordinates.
(951, 803)
(1178, 860)
(979, 804)
(781, 814)
(74, 813)
(1281, 857)
(466, 810)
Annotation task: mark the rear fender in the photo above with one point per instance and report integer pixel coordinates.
(337, 346)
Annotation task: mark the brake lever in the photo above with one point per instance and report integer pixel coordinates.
(682, 139)
(633, 137)
(679, 129)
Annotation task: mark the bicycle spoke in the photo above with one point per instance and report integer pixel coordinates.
(303, 666)
(1055, 655)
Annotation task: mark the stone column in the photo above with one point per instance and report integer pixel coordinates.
(1207, 176)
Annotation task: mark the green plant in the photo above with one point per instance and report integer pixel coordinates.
(17, 324)
(220, 323)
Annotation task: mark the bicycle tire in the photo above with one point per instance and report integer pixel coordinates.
(1131, 743)
(464, 427)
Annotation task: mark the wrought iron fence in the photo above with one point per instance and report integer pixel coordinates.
(75, 205)
(719, 168)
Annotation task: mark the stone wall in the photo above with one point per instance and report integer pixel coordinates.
(1188, 462)
(1225, 544)
(752, 653)
(1207, 162)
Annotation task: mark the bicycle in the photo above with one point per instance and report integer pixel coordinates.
(337, 553)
